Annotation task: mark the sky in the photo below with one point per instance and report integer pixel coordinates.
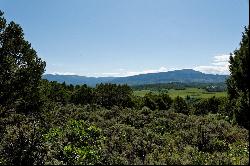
(129, 37)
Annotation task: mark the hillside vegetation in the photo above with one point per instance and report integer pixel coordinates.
(51, 123)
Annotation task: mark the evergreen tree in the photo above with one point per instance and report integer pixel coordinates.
(239, 81)
(20, 68)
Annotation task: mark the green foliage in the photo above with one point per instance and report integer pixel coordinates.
(239, 80)
(180, 105)
(56, 92)
(109, 95)
(75, 143)
(150, 101)
(22, 144)
(20, 68)
(205, 106)
(143, 136)
(83, 95)
(161, 101)
(164, 101)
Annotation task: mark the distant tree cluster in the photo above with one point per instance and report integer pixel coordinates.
(106, 95)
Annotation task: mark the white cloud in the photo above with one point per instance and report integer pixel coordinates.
(63, 73)
(124, 73)
(221, 58)
(130, 73)
(218, 66)
(161, 69)
(219, 63)
(213, 69)
(112, 74)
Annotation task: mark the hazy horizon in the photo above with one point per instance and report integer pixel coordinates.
(72, 74)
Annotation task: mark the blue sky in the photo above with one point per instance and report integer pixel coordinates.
(128, 37)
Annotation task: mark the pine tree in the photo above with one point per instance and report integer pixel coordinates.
(239, 81)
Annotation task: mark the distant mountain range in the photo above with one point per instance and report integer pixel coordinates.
(183, 76)
(77, 80)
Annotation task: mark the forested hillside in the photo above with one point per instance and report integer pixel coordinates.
(43, 122)
(183, 76)
(77, 80)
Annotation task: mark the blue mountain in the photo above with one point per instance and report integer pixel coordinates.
(183, 76)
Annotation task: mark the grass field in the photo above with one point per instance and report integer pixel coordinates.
(192, 92)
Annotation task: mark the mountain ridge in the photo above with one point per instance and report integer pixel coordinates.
(184, 76)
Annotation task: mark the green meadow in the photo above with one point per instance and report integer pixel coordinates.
(192, 92)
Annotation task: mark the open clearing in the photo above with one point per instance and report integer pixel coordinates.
(192, 92)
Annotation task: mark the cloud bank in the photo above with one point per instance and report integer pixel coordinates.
(63, 73)
(124, 73)
(219, 65)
